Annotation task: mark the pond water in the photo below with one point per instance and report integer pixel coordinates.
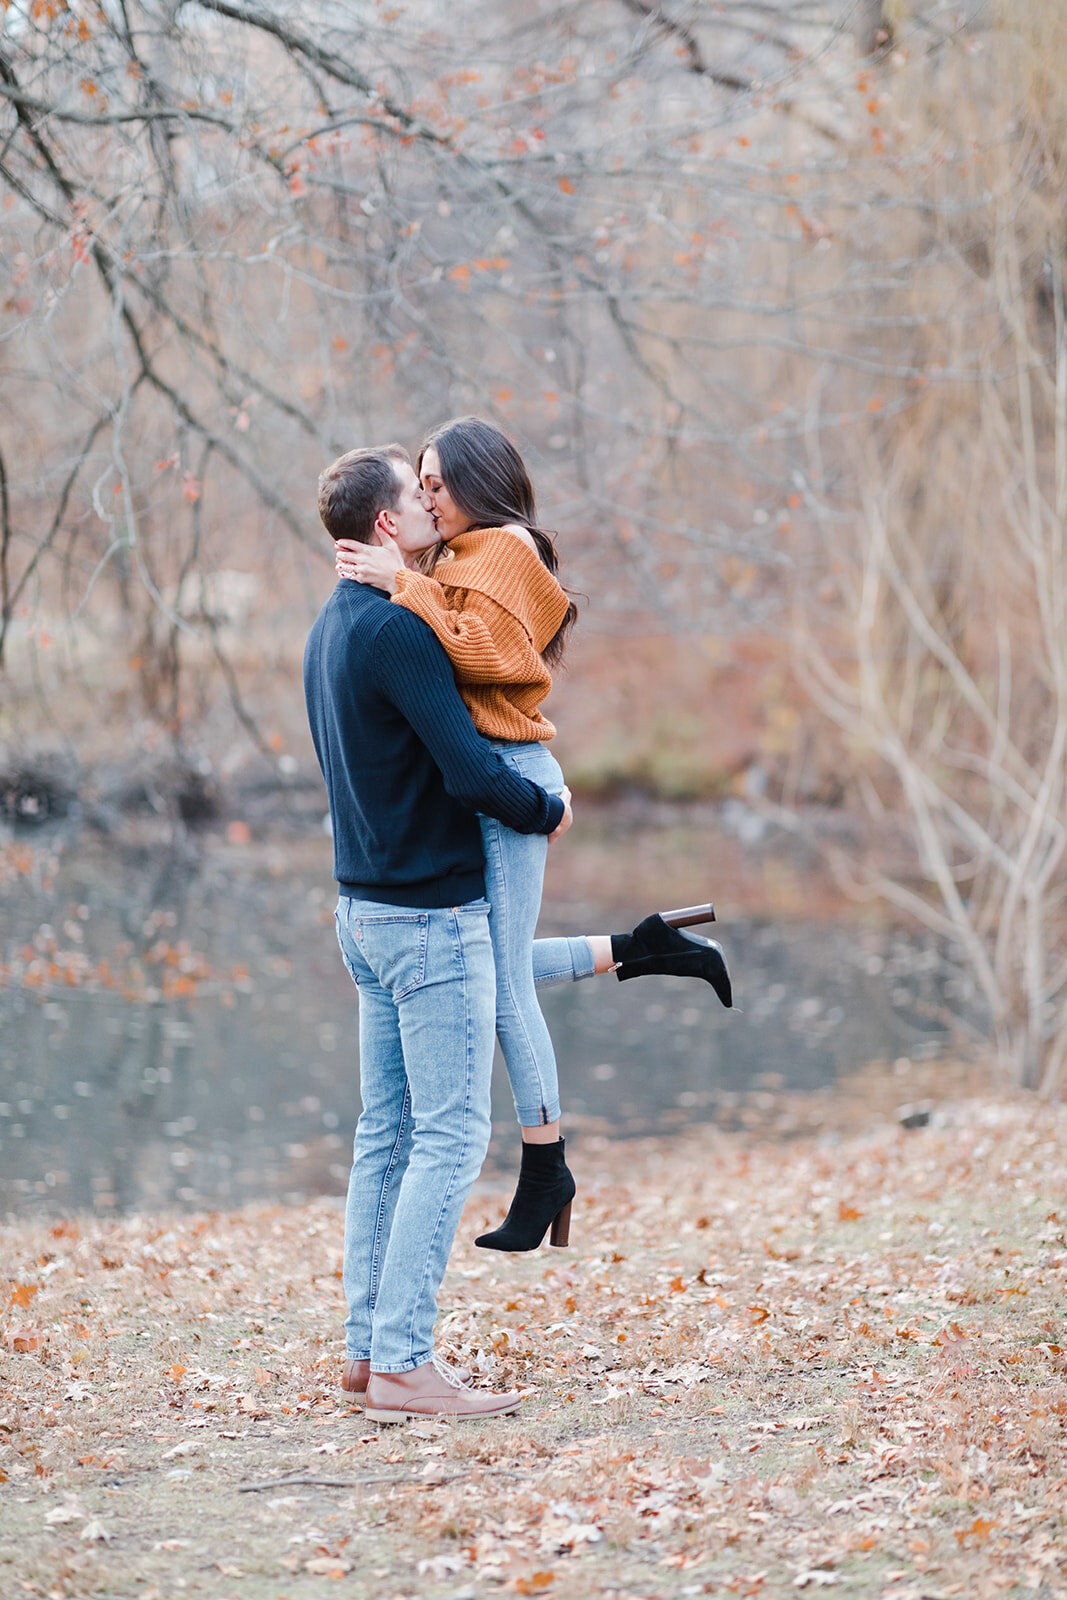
(177, 1029)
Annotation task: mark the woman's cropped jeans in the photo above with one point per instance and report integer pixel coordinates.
(426, 1019)
(514, 877)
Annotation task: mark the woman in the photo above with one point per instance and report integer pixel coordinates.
(495, 604)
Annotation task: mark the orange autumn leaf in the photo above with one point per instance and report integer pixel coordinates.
(847, 1213)
(534, 1583)
(177, 1371)
(261, 1375)
(327, 1566)
(24, 1340)
(566, 185)
(979, 1531)
(460, 273)
(23, 1293)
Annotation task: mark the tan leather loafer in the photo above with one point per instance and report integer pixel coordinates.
(432, 1390)
(356, 1374)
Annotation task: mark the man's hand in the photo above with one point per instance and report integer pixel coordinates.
(568, 815)
(375, 564)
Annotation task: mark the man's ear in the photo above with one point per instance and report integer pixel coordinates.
(385, 527)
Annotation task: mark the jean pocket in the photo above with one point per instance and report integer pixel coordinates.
(394, 947)
(475, 908)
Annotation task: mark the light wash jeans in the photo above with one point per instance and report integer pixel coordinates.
(426, 1014)
(514, 876)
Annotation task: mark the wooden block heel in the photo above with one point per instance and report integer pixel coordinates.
(689, 916)
(561, 1226)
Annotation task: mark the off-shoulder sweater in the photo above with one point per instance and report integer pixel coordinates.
(494, 606)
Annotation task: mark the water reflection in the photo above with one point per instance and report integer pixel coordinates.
(179, 1030)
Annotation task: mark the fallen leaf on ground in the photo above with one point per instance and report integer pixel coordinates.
(979, 1531)
(25, 1340)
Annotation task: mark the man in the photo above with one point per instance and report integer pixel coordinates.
(406, 774)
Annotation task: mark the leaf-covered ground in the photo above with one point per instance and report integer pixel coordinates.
(762, 1368)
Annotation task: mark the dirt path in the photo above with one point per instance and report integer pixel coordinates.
(761, 1369)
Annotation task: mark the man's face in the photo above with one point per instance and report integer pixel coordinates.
(411, 522)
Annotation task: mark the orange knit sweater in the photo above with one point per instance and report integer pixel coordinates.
(494, 606)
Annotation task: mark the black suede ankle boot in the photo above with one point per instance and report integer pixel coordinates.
(655, 947)
(543, 1195)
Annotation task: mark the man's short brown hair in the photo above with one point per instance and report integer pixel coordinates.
(358, 485)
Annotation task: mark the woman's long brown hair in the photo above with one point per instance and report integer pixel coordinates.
(486, 477)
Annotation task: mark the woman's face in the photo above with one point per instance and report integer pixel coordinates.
(448, 516)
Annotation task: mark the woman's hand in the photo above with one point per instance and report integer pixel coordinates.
(568, 818)
(375, 564)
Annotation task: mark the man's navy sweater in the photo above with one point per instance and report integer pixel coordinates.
(405, 769)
